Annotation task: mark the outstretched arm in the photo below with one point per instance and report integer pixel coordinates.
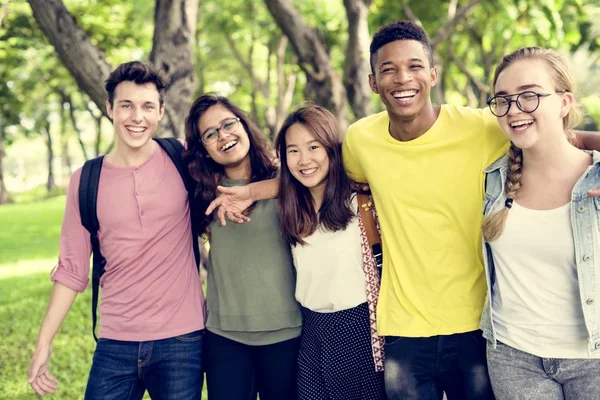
(40, 378)
(233, 201)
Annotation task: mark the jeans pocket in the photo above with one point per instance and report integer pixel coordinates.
(478, 338)
(190, 337)
(391, 340)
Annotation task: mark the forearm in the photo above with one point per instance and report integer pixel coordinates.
(264, 190)
(61, 299)
(588, 140)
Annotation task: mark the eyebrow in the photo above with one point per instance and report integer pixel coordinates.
(131, 102)
(520, 88)
(212, 127)
(295, 145)
(414, 59)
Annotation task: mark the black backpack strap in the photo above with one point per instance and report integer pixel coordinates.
(174, 149)
(88, 197)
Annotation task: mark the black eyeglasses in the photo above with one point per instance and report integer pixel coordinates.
(228, 126)
(527, 102)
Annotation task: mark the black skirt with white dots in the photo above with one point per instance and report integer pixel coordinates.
(335, 360)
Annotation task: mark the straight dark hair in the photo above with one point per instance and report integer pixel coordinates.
(204, 170)
(296, 207)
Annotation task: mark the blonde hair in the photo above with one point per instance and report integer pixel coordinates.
(493, 224)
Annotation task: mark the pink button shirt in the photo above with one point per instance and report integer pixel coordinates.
(150, 289)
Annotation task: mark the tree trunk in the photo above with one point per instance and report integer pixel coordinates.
(172, 51)
(83, 60)
(356, 65)
(175, 25)
(4, 196)
(67, 166)
(50, 183)
(67, 99)
(323, 84)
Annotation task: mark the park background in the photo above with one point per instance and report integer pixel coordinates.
(267, 56)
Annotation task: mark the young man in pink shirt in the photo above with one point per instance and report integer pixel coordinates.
(152, 306)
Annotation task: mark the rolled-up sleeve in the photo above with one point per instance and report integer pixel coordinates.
(75, 248)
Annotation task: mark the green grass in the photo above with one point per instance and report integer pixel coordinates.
(30, 231)
(29, 235)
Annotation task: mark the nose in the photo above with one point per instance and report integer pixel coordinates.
(513, 109)
(402, 76)
(222, 134)
(304, 159)
(137, 115)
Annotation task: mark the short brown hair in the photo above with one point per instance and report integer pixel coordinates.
(138, 72)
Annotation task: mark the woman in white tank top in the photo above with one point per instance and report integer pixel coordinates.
(541, 233)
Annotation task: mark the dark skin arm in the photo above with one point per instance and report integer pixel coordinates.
(586, 140)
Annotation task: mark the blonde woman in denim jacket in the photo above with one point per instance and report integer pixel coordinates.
(541, 239)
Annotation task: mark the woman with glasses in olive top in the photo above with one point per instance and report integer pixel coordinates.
(542, 239)
(254, 322)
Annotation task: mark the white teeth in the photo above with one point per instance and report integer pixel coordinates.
(404, 93)
(136, 129)
(521, 122)
(229, 145)
(307, 171)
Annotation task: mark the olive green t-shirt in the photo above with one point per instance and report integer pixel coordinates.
(251, 279)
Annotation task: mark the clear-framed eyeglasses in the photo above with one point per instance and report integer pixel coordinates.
(227, 126)
(528, 102)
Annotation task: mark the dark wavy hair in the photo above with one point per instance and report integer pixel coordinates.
(296, 208)
(399, 30)
(204, 170)
(138, 72)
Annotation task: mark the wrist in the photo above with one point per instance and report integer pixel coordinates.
(252, 192)
(43, 342)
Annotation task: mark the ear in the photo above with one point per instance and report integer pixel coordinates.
(161, 112)
(434, 76)
(109, 110)
(567, 103)
(373, 83)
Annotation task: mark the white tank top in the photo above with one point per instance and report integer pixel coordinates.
(329, 269)
(535, 299)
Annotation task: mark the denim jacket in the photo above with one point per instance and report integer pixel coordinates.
(585, 222)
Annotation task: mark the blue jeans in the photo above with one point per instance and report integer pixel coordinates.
(518, 375)
(170, 369)
(425, 368)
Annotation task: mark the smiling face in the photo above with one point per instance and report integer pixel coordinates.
(306, 158)
(136, 113)
(232, 145)
(403, 78)
(525, 129)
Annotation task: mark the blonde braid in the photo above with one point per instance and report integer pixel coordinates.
(493, 224)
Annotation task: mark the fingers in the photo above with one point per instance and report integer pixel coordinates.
(221, 214)
(237, 217)
(51, 378)
(594, 193)
(37, 388)
(227, 190)
(241, 217)
(213, 205)
(34, 368)
(46, 384)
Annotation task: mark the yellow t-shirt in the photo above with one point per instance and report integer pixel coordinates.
(429, 197)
